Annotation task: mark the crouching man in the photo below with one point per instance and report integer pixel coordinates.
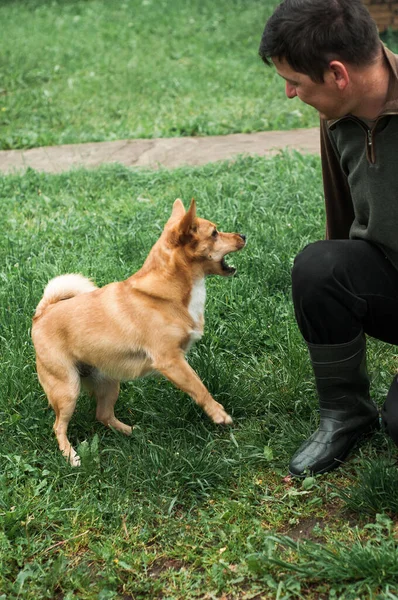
(344, 287)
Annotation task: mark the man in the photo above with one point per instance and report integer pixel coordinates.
(330, 56)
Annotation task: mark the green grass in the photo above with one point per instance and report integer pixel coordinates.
(371, 564)
(84, 71)
(180, 509)
(89, 71)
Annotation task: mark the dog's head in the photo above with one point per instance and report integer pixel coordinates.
(200, 240)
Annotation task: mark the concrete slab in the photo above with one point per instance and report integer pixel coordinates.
(155, 153)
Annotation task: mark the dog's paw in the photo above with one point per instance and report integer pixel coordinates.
(72, 457)
(119, 426)
(219, 416)
(127, 430)
(75, 461)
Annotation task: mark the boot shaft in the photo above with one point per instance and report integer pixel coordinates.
(341, 377)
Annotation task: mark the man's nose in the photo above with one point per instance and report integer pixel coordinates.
(290, 90)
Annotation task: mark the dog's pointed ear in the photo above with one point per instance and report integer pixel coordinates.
(188, 219)
(178, 210)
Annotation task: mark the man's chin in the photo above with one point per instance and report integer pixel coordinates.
(325, 117)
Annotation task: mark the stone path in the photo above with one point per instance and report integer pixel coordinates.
(153, 153)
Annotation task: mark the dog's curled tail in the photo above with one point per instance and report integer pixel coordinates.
(62, 288)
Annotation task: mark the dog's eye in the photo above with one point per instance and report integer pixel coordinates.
(214, 233)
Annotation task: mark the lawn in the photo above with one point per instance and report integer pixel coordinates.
(183, 509)
(86, 71)
(94, 70)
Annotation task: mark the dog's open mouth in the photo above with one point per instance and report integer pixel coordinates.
(228, 270)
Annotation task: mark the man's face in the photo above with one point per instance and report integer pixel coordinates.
(325, 97)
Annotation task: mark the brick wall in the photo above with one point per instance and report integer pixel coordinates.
(384, 12)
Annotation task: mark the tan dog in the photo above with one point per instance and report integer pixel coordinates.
(100, 336)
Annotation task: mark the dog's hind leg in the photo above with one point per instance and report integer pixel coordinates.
(106, 392)
(62, 390)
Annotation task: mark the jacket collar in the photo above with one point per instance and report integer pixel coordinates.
(391, 104)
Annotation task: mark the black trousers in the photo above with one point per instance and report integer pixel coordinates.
(343, 287)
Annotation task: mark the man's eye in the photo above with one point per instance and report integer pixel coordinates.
(214, 233)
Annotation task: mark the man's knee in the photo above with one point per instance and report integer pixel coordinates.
(314, 268)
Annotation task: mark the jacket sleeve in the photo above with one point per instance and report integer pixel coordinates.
(338, 201)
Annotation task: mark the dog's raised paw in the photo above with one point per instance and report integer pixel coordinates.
(227, 420)
(220, 417)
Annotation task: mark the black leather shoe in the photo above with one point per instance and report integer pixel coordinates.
(326, 450)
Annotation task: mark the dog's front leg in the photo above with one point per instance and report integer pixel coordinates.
(178, 371)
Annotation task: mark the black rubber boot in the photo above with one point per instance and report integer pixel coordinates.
(389, 412)
(346, 411)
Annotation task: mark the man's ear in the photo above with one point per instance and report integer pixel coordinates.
(178, 210)
(340, 75)
(188, 219)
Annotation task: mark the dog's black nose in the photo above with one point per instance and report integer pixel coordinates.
(242, 236)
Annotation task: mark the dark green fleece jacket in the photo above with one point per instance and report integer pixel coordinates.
(360, 174)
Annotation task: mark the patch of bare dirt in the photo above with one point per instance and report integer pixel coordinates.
(305, 530)
(165, 564)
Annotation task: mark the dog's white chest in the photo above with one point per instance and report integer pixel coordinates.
(196, 308)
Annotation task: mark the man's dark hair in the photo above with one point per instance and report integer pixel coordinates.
(308, 34)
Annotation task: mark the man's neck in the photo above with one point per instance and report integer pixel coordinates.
(370, 85)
